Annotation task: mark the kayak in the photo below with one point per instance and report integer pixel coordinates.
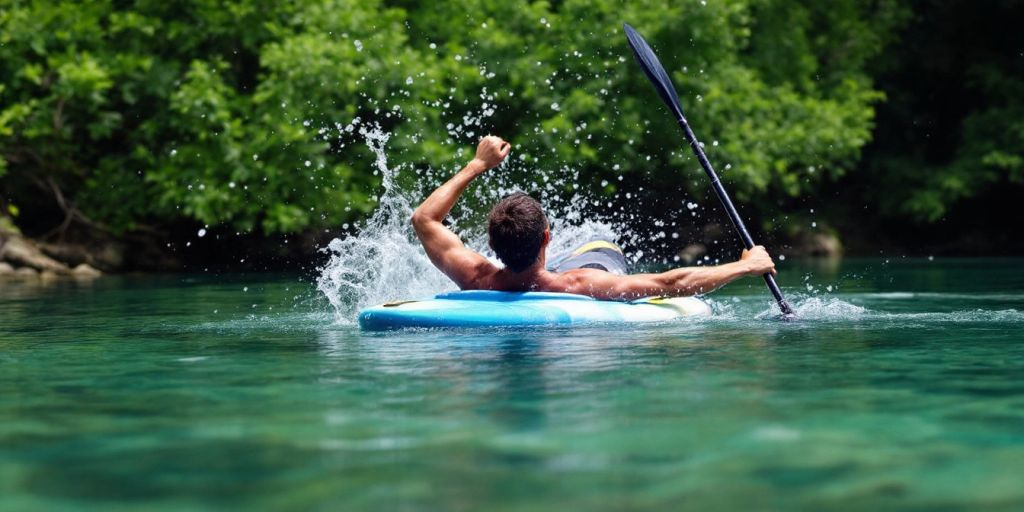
(485, 308)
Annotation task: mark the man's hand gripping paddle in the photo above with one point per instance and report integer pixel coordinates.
(656, 73)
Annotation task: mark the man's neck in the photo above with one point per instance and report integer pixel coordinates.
(533, 277)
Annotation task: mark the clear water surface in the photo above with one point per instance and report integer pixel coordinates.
(902, 388)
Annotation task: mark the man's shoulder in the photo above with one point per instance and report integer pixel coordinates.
(482, 275)
(579, 280)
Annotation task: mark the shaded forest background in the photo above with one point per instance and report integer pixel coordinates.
(890, 127)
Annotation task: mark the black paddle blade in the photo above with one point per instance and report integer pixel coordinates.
(653, 69)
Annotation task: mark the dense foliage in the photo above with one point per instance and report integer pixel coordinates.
(131, 115)
(158, 112)
(954, 123)
(212, 112)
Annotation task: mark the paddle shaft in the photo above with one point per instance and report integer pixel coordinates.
(723, 196)
(663, 85)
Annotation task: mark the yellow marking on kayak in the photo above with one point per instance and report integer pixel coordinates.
(397, 303)
(597, 244)
(665, 302)
(674, 303)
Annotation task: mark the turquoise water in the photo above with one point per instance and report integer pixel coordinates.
(902, 388)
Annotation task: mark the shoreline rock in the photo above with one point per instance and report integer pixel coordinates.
(25, 272)
(21, 257)
(23, 252)
(817, 245)
(86, 271)
(692, 253)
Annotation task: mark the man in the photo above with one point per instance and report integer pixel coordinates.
(519, 234)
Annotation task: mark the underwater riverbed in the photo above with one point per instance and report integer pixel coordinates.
(901, 388)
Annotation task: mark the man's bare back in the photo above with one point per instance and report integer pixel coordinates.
(518, 226)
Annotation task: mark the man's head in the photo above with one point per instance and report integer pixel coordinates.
(518, 231)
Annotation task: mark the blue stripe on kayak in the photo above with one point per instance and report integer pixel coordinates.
(474, 316)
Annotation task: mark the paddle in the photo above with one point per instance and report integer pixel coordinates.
(656, 73)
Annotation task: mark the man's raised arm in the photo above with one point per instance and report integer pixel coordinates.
(445, 249)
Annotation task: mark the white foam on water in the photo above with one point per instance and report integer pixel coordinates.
(776, 434)
(981, 296)
(819, 308)
(965, 316)
(834, 309)
(890, 295)
(828, 308)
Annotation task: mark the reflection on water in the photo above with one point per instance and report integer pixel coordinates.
(899, 389)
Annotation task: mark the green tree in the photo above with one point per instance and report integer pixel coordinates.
(954, 125)
(208, 111)
(233, 113)
(778, 89)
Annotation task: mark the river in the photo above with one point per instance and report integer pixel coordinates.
(902, 387)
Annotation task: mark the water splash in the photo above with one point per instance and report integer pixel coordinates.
(384, 261)
(833, 309)
(817, 308)
(827, 308)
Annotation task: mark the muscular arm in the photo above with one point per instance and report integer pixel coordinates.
(444, 248)
(677, 282)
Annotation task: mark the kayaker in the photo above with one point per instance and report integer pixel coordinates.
(519, 233)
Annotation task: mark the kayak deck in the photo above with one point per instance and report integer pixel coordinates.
(485, 308)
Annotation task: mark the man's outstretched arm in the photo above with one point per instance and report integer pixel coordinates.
(445, 249)
(676, 282)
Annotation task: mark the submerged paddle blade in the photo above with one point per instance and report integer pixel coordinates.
(654, 70)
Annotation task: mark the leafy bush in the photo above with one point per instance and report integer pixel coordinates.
(228, 113)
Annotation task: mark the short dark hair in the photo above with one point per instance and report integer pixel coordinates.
(516, 228)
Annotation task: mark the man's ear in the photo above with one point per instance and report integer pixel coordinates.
(547, 237)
